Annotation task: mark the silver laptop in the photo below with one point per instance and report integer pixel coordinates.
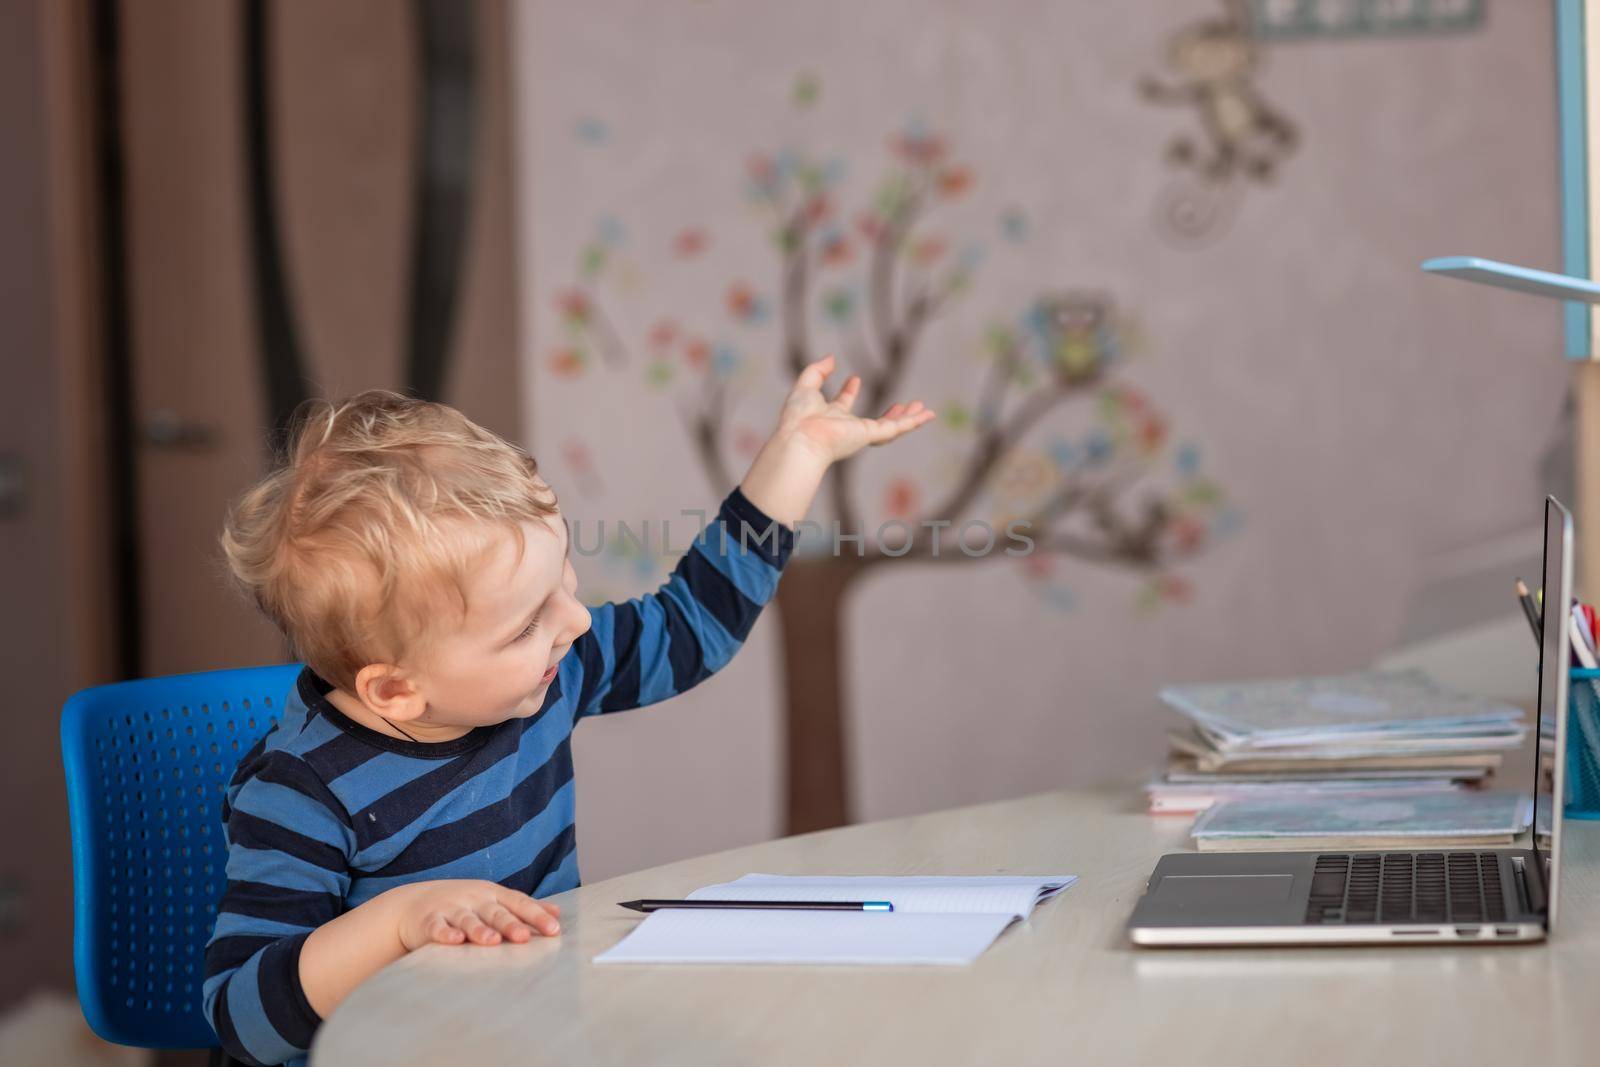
(1478, 897)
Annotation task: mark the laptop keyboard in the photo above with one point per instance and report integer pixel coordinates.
(1393, 887)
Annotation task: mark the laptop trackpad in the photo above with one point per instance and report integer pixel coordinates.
(1230, 893)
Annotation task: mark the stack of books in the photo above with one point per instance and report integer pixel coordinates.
(1369, 738)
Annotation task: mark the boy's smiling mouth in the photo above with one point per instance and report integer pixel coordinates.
(550, 675)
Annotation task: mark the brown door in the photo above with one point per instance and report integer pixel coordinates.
(343, 87)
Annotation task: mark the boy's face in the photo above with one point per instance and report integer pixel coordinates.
(522, 617)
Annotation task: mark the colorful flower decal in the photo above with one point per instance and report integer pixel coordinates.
(835, 248)
(575, 309)
(818, 208)
(1059, 597)
(1098, 448)
(957, 416)
(725, 361)
(659, 373)
(697, 353)
(611, 232)
(1186, 461)
(1152, 435)
(1188, 534)
(567, 362)
(926, 251)
(839, 304)
(597, 253)
(745, 305)
(763, 181)
(1014, 225)
(1064, 453)
(893, 195)
(918, 146)
(806, 90)
(663, 333)
(998, 339)
(900, 498)
(1165, 589)
(690, 243)
(953, 181)
(1024, 478)
(576, 453)
(591, 131)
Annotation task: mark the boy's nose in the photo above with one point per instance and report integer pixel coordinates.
(582, 623)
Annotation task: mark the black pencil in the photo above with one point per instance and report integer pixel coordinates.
(1530, 611)
(770, 905)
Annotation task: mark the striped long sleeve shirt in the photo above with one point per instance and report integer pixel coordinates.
(324, 814)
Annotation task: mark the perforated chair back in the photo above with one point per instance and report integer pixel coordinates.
(147, 765)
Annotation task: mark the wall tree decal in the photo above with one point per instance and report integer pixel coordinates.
(1120, 494)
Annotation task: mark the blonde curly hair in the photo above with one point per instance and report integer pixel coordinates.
(381, 507)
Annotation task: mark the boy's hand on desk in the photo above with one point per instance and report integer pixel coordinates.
(484, 913)
(829, 428)
(347, 950)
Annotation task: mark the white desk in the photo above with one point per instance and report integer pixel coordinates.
(1064, 988)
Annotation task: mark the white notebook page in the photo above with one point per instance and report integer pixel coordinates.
(937, 920)
(807, 937)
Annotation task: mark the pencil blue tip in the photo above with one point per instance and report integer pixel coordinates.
(877, 905)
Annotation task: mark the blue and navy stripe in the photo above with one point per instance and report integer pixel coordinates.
(324, 814)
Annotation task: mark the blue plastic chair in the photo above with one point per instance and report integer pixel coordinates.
(147, 765)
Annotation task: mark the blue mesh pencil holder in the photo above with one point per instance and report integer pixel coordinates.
(1583, 745)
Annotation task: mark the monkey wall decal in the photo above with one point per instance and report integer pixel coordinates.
(1215, 63)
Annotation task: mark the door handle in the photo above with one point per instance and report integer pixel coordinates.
(165, 428)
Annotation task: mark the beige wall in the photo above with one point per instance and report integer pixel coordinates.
(1364, 418)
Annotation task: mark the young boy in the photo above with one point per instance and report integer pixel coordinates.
(418, 785)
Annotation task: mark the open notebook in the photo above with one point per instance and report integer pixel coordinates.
(948, 920)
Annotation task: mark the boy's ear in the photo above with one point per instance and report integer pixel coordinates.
(386, 690)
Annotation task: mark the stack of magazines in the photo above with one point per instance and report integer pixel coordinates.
(1394, 744)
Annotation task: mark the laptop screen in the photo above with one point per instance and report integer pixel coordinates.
(1554, 654)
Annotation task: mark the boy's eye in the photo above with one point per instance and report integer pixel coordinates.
(528, 632)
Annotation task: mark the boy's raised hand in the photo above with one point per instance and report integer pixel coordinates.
(814, 433)
(829, 428)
